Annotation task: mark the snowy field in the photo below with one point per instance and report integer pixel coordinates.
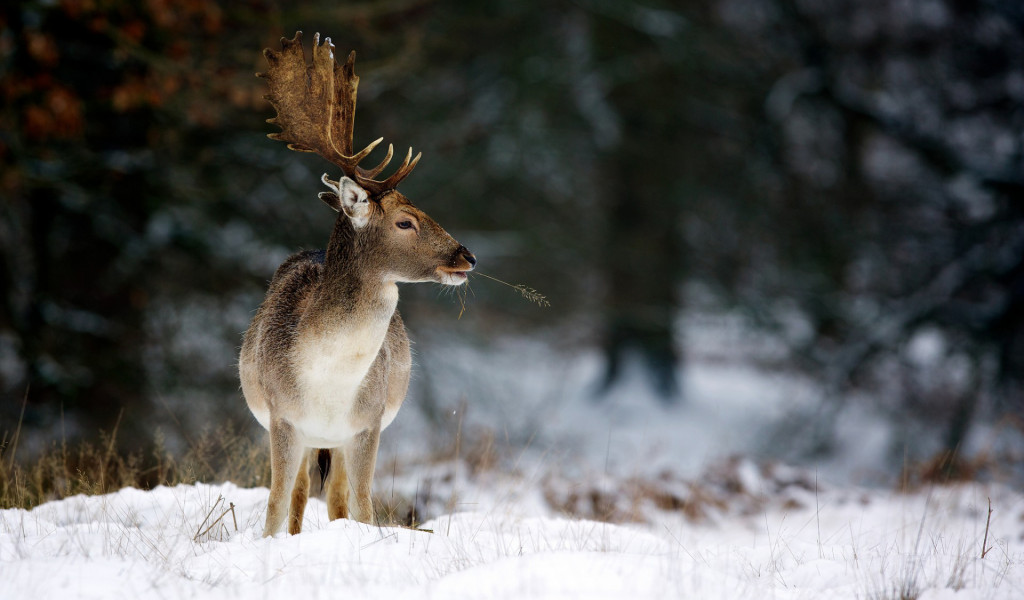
(625, 498)
(180, 543)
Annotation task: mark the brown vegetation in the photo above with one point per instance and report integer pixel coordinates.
(97, 467)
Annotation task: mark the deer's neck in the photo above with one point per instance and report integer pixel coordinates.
(341, 334)
(354, 281)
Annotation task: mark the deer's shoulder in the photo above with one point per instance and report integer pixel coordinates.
(292, 288)
(303, 267)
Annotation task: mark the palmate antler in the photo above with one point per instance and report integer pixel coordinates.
(316, 108)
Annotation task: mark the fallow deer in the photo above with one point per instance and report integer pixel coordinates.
(325, 362)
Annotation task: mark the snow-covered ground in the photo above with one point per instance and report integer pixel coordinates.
(623, 498)
(830, 544)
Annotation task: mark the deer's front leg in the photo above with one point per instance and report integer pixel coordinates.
(285, 459)
(360, 461)
(337, 486)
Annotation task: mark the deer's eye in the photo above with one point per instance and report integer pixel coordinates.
(404, 225)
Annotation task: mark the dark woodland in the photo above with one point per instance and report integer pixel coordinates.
(844, 179)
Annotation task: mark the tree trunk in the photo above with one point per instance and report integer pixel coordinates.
(641, 257)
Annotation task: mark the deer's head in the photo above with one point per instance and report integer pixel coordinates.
(407, 244)
(316, 107)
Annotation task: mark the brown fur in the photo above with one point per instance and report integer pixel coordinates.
(326, 315)
(325, 362)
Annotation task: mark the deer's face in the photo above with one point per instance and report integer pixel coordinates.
(415, 247)
(407, 245)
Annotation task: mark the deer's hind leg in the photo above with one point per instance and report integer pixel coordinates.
(337, 486)
(300, 494)
(285, 459)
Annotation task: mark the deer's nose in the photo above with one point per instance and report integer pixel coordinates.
(464, 251)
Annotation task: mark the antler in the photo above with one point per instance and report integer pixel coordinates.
(316, 108)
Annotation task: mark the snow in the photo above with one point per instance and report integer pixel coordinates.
(841, 543)
(522, 389)
(689, 513)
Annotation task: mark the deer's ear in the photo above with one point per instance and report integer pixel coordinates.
(348, 197)
(331, 199)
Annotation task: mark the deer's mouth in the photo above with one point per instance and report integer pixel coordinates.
(450, 276)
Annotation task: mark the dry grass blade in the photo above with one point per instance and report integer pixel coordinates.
(216, 521)
(988, 521)
(461, 293)
(17, 431)
(199, 530)
(525, 291)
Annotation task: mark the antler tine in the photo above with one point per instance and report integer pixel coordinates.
(371, 173)
(377, 187)
(404, 170)
(351, 163)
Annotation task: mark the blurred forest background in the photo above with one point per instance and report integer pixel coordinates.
(844, 178)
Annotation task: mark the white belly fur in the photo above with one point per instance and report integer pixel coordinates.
(330, 391)
(330, 366)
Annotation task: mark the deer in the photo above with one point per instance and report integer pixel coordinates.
(325, 363)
